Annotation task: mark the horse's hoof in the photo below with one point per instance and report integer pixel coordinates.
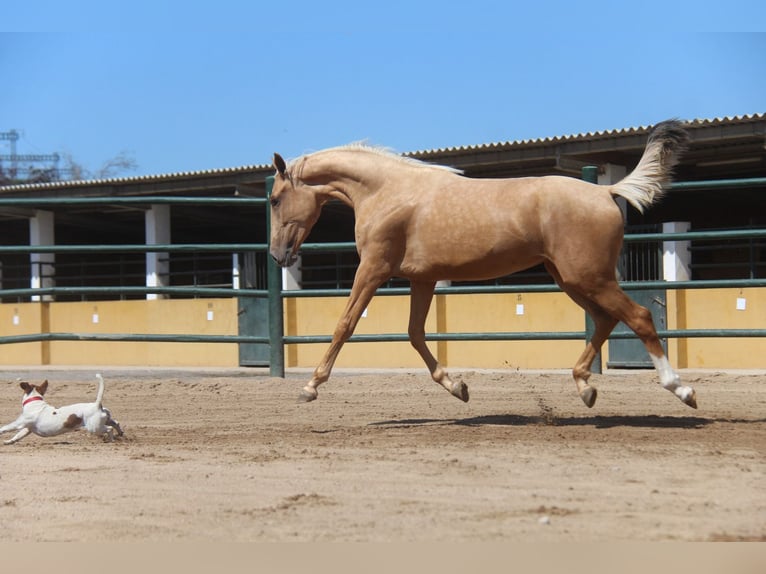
(690, 399)
(307, 395)
(460, 390)
(588, 396)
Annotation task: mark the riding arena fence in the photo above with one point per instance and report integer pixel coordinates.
(274, 293)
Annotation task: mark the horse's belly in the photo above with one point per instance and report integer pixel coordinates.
(483, 241)
(466, 264)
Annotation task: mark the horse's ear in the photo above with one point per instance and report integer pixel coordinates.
(279, 164)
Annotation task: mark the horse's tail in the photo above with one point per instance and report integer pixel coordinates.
(646, 184)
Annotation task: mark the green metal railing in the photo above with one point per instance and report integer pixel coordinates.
(589, 174)
(277, 339)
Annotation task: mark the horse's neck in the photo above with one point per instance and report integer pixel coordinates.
(355, 175)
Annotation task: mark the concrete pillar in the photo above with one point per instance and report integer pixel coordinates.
(157, 232)
(235, 272)
(612, 174)
(292, 276)
(676, 255)
(676, 259)
(41, 232)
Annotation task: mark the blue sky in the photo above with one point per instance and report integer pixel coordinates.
(186, 86)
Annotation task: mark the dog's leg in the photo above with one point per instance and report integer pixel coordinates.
(110, 422)
(15, 425)
(117, 428)
(18, 436)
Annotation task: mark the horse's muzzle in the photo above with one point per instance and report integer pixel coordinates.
(286, 258)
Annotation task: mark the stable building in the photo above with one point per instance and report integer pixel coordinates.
(722, 149)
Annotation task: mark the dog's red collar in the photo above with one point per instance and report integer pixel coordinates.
(31, 399)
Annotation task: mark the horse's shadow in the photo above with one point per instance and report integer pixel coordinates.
(597, 421)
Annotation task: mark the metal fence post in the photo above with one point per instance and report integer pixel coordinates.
(590, 174)
(276, 317)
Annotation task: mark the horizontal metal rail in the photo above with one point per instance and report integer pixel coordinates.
(548, 288)
(137, 248)
(259, 201)
(628, 238)
(328, 247)
(379, 338)
(133, 337)
(697, 235)
(746, 182)
(224, 292)
(237, 201)
(529, 336)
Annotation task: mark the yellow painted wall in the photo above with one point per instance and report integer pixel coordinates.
(452, 313)
(687, 309)
(318, 316)
(693, 309)
(189, 316)
(717, 309)
(22, 319)
(528, 312)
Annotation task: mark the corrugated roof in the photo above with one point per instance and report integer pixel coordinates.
(419, 154)
(152, 178)
(575, 137)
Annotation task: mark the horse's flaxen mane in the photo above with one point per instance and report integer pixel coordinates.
(376, 150)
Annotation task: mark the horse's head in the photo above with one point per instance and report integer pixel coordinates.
(295, 208)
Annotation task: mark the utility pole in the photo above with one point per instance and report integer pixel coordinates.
(14, 158)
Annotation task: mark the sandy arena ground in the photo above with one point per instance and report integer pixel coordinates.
(390, 456)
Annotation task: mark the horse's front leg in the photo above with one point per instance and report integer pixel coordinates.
(421, 295)
(365, 284)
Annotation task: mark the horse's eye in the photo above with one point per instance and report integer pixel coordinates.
(274, 202)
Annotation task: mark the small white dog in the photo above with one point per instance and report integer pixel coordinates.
(39, 417)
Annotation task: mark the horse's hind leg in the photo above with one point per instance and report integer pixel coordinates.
(614, 300)
(604, 324)
(421, 295)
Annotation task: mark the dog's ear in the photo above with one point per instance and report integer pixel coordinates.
(42, 388)
(26, 387)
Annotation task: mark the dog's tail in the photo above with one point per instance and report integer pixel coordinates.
(100, 394)
(646, 184)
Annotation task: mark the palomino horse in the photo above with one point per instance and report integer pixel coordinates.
(429, 223)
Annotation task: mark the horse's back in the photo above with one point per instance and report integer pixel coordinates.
(524, 206)
(482, 228)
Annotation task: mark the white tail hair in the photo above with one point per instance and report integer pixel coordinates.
(646, 184)
(100, 393)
